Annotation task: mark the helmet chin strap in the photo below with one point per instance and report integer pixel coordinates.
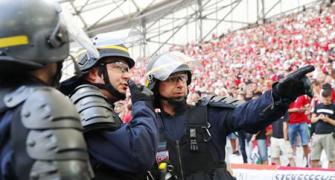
(179, 105)
(108, 85)
(56, 78)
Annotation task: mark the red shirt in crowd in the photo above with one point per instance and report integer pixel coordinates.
(333, 95)
(299, 117)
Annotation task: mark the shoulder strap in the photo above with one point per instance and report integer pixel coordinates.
(162, 146)
(219, 101)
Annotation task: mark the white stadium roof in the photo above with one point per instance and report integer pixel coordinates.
(155, 25)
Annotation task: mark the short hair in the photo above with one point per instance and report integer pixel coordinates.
(326, 86)
(326, 92)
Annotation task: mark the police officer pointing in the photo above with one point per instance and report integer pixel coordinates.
(117, 151)
(194, 137)
(40, 131)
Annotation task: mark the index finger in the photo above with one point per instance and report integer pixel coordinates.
(301, 72)
(131, 83)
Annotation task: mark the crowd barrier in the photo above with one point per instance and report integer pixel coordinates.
(267, 172)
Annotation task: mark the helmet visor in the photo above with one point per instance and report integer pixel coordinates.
(78, 35)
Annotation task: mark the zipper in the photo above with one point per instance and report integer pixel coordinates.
(179, 160)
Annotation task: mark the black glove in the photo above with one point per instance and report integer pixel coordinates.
(293, 85)
(140, 93)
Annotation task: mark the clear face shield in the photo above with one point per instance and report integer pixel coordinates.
(77, 34)
(80, 42)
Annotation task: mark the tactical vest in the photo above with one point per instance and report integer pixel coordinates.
(195, 145)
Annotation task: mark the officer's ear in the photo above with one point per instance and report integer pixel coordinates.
(93, 76)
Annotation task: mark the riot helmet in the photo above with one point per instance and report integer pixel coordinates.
(32, 35)
(161, 67)
(87, 62)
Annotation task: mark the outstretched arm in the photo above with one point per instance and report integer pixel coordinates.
(257, 114)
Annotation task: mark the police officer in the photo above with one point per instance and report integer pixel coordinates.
(40, 131)
(194, 137)
(117, 151)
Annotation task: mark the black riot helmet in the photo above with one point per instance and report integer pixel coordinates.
(87, 62)
(161, 67)
(32, 35)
